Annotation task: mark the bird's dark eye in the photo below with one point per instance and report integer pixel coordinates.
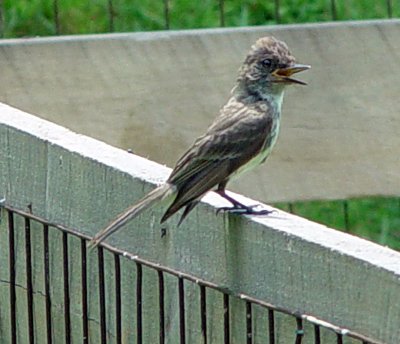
(266, 63)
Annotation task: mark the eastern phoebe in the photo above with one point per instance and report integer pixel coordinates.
(240, 138)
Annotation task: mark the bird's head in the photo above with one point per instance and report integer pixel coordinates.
(268, 67)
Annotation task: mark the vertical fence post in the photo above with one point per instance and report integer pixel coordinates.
(166, 14)
(389, 8)
(333, 10)
(56, 14)
(1, 19)
(111, 15)
(222, 13)
(277, 12)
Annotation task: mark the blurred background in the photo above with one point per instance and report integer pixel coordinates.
(375, 218)
(27, 18)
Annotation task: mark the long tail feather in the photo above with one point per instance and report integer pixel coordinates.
(146, 202)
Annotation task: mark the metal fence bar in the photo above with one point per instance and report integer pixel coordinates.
(29, 288)
(102, 296)
(227, 333)
(11, 253)
(271, 326)
(67, 316)
(317, 334)
(11, 243)
(182, 324)
(84, 291)
(203, 313)
(161, 305)
(46, 265)
(181, 277)
(139, 302)
(118, 303)
(299, 331)
(249, 325)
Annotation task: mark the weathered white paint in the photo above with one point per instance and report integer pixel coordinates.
(82, 183)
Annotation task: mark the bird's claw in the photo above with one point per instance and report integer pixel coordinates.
(245, 210)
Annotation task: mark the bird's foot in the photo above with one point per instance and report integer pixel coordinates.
(245, 210)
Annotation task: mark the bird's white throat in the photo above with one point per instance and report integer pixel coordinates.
(275, 99)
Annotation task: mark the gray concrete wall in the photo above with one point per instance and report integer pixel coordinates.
(155, 92)
(81, 183)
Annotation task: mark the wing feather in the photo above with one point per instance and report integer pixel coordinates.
(231, 141)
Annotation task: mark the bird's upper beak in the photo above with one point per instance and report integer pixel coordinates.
(284, 74)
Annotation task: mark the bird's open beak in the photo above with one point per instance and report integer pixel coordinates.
(284, 74)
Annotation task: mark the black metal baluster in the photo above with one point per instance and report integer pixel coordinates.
(102, 296)
(29, 286)
(11, 240)
(271, 326)
(299, 331)
(249, 325)
(67, 317)
(46, 263)
(118, 316)
(317, 335)
(139, 302)
(226, 320)
(181, 293)
(203, 313)
(161, 305)
(85, 320)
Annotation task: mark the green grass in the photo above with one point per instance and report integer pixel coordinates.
(23, 18)
(375, 219)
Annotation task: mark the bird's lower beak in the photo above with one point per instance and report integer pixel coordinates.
(284, 74)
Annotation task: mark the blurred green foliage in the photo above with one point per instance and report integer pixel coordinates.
(376, 219)
(372, 218)
(21, 18)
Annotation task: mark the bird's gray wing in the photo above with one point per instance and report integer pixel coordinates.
(228, 144)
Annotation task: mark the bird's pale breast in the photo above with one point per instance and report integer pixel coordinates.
(270, 139)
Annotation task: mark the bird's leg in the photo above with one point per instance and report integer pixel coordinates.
(240, 208)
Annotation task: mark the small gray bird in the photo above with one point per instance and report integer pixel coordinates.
(240, 138)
